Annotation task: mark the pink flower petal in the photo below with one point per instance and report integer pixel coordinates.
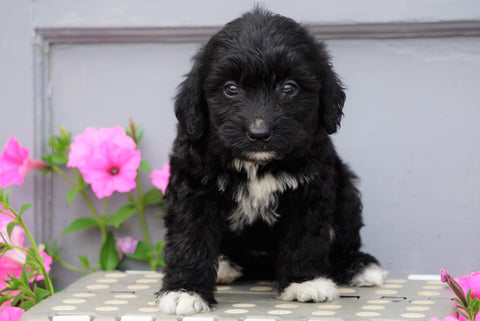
(11, 314)
(127, 244)
(14, 163)
(109, 156)
(470, 282)
(161, 177)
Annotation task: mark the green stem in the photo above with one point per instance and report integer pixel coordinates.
(81, 189)
(71, 267)
(141, 212)
(37, 256)
(105, 209)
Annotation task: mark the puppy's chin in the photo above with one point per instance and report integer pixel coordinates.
(259, 157)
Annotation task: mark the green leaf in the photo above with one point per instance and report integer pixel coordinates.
(462, 313)
(25, 207)
(142, 252)
(153, 196)
(10, 228)
(460, 303)
(40, 294)
(25, 305)
(59, 159)
(109, 257)
(81, 223)
(122, 214)
(70, 195)
(85, 262)
(145, 166)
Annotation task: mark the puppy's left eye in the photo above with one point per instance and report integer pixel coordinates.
(289, 88)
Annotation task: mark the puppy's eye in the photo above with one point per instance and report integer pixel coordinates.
(230, 89)
(289, 88)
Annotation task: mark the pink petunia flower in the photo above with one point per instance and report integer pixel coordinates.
(161, 177)
(12, 261)
(111, 168)
(471, 281)
(9, 313)
(15, 162)
(85, 144)
(127, 244)
(107, 158)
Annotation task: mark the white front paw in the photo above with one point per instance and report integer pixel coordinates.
(180, 302)
(371, 275)
(317, 290)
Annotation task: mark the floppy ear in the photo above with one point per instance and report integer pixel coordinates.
(332, 96)
(190, 103)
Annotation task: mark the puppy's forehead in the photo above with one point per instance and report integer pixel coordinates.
(262, 43)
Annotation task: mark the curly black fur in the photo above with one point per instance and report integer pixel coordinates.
(283, 206)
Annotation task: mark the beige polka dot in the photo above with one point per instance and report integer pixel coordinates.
(106, 281)
(236, 311)
(413, 315)
(392, 286)
(149, 309)
(223, 287)
(138, 287)
(261, 288)
(152, 303)
(432, 287)
(115, 275)
(74, 301)
(346, 290)
(98, 286)
(329, 306)
(320, 313)
(146, 281)
(286, 306)
(367, 314)
(107, 308)
(116, 302)
(386, 292)
(379, 301)
(64, 308)
(279, 312)
(429, 293)
(125, 296)
(418, 308)
(373, 307)
(84, 295)
(243, 305)
(422, 302)
(395, 281)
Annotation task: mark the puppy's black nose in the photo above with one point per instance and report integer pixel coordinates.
(259, 130)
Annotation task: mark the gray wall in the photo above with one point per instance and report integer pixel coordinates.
(410, 119)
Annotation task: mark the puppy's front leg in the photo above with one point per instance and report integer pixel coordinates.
(191, 256)
(303, 265)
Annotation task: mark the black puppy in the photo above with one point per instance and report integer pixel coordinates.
(256, 186)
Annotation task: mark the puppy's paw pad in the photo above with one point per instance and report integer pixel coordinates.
(180, 302)
(317, 290)
(371, 275)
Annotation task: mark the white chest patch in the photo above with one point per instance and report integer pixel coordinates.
(257, 198)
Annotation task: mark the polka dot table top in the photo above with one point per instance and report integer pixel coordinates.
(129, 296)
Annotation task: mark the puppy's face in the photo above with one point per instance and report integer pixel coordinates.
(268, 88)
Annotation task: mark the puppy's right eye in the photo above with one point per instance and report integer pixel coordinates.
(230, 89)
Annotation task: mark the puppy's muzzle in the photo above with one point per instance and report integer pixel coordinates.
(259, 131)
